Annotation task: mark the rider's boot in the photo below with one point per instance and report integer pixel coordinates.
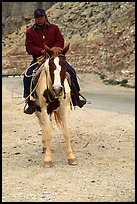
(77, 101)
(30, 106)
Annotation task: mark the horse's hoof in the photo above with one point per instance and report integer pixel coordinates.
(48, 164)
(72, 162)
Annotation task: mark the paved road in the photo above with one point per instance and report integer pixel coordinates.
(108, 97)
(98, 95)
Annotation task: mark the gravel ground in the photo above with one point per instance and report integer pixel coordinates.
(103, 143)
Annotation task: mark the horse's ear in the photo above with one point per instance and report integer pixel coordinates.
(48, 50)
(65, 49)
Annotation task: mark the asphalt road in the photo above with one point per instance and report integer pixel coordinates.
(98, 95)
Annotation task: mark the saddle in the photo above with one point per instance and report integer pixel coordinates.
(35, 77)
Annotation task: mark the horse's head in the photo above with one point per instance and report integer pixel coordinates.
(57, 68)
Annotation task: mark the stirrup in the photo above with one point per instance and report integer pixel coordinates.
(82, 97)
(25, 106)
(31, 107)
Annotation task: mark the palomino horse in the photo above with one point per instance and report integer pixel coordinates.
(53, 95)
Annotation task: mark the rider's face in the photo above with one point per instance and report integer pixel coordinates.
(40, 20)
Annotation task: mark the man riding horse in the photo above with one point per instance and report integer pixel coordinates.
(40, 34)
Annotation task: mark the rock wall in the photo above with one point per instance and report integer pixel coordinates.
(15, 13)
(101, 36)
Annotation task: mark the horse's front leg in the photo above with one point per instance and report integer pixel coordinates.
(46, 137)
(66, 131)
(38, 114)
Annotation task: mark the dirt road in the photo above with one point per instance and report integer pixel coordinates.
(103, 142)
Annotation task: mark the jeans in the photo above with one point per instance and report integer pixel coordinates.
(27, 79)
(72, 72)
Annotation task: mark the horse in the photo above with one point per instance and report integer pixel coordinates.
(53, 96)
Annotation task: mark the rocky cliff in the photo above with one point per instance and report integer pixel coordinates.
(101, 36)
(15, 14)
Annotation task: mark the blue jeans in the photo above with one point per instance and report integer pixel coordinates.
(72, 72)
(27, 79)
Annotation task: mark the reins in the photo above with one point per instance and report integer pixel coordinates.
(24, 73)
(14, 88)
(28, 95)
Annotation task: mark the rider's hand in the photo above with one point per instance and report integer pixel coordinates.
(55, 50)
(43, 52)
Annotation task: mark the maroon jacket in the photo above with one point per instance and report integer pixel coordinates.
(36, 38)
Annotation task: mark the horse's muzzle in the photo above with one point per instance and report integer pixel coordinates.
(57, 90)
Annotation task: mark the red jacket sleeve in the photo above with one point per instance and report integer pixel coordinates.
(59, 38)
(31, 48)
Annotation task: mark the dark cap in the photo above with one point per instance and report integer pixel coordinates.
(39, 12)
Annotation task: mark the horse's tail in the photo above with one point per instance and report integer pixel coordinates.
(58, 119)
